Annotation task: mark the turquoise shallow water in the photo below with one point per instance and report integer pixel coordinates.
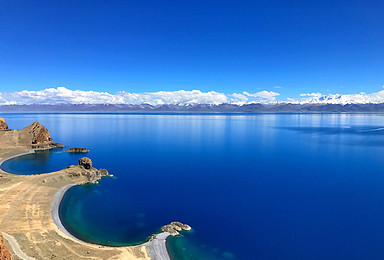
(265, 186)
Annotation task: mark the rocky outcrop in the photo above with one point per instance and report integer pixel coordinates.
(85, 162)
(84, 168)
(76, 150)
(34, 136)
(4, 251)
(175, 227)
(3, 124)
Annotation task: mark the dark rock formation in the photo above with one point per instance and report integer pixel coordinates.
(175, 227)
(4, 251)
(84, 168)
(76, 150)
(85, 162)
(3, 124)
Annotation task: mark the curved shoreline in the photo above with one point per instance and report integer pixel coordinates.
(156, 247)
(15, 156)
(55, 211)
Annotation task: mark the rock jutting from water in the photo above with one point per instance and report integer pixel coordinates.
(85, 162)
(175, 227)
(84, 168)
(76, 150)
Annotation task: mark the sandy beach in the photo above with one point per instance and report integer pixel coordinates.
(31, 225)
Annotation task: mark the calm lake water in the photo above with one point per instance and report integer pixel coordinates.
(264, 186)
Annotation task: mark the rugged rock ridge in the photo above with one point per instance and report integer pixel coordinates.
(84, 168)
(3, 124)
(175, 227)
(37, 136)
(4, 251)
(35, 133)
(34, 136)
(76, 150)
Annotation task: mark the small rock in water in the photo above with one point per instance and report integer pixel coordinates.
(76, 150)
(175, 227)
(85, 162)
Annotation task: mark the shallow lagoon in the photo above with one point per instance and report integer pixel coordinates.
(264, 186)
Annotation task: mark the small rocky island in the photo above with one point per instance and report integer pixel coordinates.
(76, 150)
(175, 227)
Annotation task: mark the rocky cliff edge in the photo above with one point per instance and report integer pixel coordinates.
(34, 136)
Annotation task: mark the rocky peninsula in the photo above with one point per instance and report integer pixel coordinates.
(29, 204)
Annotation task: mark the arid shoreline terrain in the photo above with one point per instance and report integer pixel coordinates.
(26, 203)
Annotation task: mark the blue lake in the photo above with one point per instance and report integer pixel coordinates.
(252, 186)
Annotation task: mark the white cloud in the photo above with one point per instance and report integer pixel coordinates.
(239, 99)
(311, 94)
(173, 97)
(62, 95)
(263, 95)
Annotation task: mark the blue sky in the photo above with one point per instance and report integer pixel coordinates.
(224, 46)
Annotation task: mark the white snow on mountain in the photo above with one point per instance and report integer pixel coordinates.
(362, 98)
